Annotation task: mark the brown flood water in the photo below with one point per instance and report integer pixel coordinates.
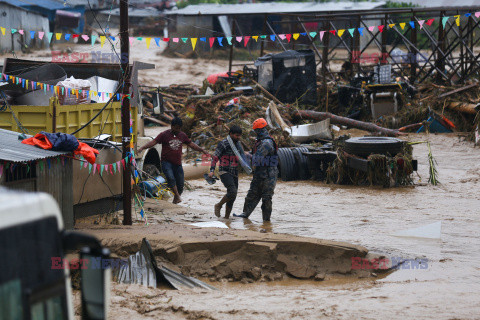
(448, 288)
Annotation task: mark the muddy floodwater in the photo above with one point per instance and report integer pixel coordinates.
(368, 216)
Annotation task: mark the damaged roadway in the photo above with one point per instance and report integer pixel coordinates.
(217, 254)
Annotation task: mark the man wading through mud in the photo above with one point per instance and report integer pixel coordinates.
(228, 170)
(172, 141)
(264, 161)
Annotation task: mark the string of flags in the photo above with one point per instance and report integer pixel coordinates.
(50, 36)
(35, 85)
(109, 168)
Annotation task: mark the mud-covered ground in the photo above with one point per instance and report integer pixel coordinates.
(366, 216)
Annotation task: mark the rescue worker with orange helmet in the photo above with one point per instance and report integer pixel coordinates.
(264, 163)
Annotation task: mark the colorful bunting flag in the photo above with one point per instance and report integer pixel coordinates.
(254, 38)
(313, 34)
(296, 36)
(420, 23)
(444, 21)
(351, 31)
(220, 39)
(194, 43)
(289, 37)
(245, 40)
(148, 40)
(429, 22)
(229, 40)
(402, 25)
(58, 35)
(457, 20)
(321, 35)
(380, 28)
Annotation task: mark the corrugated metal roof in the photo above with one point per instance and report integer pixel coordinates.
(12, 149)
(274, 7)
(48, 4)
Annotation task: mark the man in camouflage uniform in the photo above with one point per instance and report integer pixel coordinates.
(264, 161)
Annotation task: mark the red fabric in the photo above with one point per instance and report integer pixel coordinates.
(212, 79)
(89, 153)
(39, 140)
(172, 146)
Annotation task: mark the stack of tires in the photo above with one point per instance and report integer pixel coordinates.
(365, 146)
(292, 164)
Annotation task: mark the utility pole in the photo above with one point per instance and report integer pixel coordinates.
(126, 136)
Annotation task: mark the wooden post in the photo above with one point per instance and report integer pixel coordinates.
(413, 53)
(125, 55)
(440, 59)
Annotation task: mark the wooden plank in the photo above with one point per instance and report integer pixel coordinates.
(446, 94)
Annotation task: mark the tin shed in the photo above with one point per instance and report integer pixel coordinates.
(29, 168)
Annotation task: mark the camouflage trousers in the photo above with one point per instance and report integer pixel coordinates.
(260, 188)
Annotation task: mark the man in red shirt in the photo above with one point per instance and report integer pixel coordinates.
(172, 141)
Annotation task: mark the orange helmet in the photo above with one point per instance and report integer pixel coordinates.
(259, 123)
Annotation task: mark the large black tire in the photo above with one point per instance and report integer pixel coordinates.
(301, 166)
(365, 146)
(286, 163)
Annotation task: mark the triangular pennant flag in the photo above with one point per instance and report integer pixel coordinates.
(263, 36)
(114, 167)
(58, 35)
(288, 36)
(203, 39)
(444, 21)
(295, 36)
(85, 37)
(94, 37)
(371, 28)
(140, 38)
(220, 39)
(89, 168)
(110, 166)
(157, 41)
(112, 38)
(175, 40)
(239, 39)
(468, 15)
(3, 30)
(13, 30)
(303, 34)
(32, 34)
(102, 40)
(360, 30)
(20, 31)
(340, 32)
(67, 36)
(229, 40)
(123, 164)
(313, 34)
(245, 40)
(255, 38)
(477, 14)
(75, 35)
(85, 164)
(194, 43)
(184, 40)
(333, 32)
(272, 37)
(457, 20)
(351, 31)
(380, 28)
(402, 25)
(391, 25)
(130, 39)
(282, 36)
(147, 41)
(412, 24)
(420, 23)
(101, 169)
(321, 35)
(49, 36)
(94, 168)
(429, 22)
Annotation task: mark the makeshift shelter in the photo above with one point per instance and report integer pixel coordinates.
(29, 168)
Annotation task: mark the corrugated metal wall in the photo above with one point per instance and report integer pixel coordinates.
(17, 18)
(57, 180)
